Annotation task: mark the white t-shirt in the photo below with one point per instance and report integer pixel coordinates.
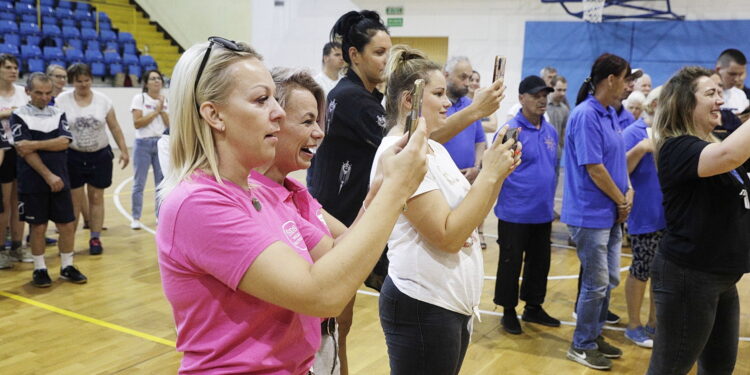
(162, 149)
(146, 104)
(87, 124)
(17, 100)
(451, 281)
(736, 100)
(326, 83)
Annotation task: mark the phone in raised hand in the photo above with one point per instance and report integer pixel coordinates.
(499, 68)
(512, 133)
(416, 107)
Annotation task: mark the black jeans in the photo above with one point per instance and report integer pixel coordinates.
(515, 240)
(697, 318)
(422, 339)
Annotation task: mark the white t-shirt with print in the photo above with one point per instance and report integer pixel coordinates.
(735, 100)
(147, 105)
(17, 100)
(326, 83)
(452, 281)
(88, 124)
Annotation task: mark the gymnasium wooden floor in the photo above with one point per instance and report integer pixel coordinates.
(120, 322)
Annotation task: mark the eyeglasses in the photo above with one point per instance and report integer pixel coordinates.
(59, 76)
(226, 43)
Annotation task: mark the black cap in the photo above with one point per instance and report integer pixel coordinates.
(532, 85)
(635, 74)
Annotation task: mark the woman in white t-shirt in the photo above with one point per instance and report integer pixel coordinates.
(89, 155)
(150, 118)
(436, 271)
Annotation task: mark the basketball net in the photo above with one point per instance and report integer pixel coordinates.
(592, 10)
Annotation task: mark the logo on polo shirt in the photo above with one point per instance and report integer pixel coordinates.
(16, 130)
(551, 144)
(381, 121)
(293, 235)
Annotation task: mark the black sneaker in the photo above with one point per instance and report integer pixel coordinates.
(589, 358)
(40, 278)
(608, 350)
(73, 275)
(95, 246)
(537, 315)
(510, 322)
(612, 318)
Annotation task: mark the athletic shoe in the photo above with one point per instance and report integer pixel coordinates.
(612, 318)
(639, 336)
(5, 260)
(21, 254)
(589, 358)
(95, 246)
(40, 278)
(608, 350)
(651, 331)
(47, 241)
(73, 275)
(510, 323)
(538, 315)
(136, 224)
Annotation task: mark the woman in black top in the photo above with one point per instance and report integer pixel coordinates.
(706, 246)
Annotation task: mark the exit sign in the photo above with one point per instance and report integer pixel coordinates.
(394, 11)
(396, 22)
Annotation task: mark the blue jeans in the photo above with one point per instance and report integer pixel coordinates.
(599, 252)
(145, 154)
(697, 318)
(422, 339)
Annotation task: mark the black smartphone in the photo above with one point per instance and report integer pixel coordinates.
(416, 107)
(499, 69)
(512, 133)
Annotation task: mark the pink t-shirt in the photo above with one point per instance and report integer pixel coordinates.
(295, 196)
(208, 236)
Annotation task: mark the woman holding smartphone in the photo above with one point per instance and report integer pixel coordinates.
(436, 268)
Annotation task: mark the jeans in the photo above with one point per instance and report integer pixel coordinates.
(422, 339)
(144, 154)
(526, 245)
(697, 318)
(599, 253)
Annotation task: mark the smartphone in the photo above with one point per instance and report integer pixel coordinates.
(499, 70)
(416, 108)
(512, 133)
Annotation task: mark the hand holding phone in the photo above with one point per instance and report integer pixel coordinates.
(512, 133)
(416, 107)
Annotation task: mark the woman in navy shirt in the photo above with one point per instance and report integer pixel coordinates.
(706, 246)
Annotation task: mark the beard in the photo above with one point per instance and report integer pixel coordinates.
(457, 91)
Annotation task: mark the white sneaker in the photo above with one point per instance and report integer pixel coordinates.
(22, 254)
(136, 225)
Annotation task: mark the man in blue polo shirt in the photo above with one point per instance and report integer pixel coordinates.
(467, 147)
(624, 117)
(525, 212)
(41, 138)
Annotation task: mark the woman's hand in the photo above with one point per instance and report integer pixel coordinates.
(500, 159)
(405, 164)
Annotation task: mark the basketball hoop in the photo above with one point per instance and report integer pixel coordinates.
(592, 10)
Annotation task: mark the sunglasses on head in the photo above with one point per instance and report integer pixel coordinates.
(226, 43)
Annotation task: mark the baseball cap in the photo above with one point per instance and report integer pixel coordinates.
(532, 85)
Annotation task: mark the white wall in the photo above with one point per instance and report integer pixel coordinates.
(193, 21)
(294, 34)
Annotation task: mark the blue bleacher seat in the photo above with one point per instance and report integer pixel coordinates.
(115, 68)
(8, 26)
(74, 55)
(68, 22)
(107, 36)
(147, 60)
(83, 6)
(93, 55)
(30, 51)
(82, 15)
(93, 44)
(125, 37)
(48, 11)
(28, 18)
(49, 20)
(22, 8)
(112, 57)
(12, 38)
(35, 65)
(52, 53)
(60, 62)
(130, 59)
(88, 34)
(51, 30)
(75, 43)
(97, 69)
(9, 48)
(28, 28)
(8, 16)
(129, 49)
(26, 1)
(105, 25)
(64, 4)
(63, 13)
(70, 32)
(134, 69)
(49, 3)
(87, 24)
(103, 17)
(33, 39)
(6, 6)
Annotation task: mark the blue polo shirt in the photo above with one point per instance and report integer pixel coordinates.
(647, 215)
(463, 145)
(593, 136)
(528, 194)
(625, 118)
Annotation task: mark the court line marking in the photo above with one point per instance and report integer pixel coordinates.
(88, 319)
(116, 199)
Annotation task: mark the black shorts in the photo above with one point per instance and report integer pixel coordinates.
(8, 167)
(93, 168)
(38, 208)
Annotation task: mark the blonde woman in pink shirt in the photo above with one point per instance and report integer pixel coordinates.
(246, 277)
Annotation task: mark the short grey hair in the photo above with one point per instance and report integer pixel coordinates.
(52, 67)
(453, 61)
(36, 76)
(547, 69)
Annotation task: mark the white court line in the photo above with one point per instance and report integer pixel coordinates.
(116, 199)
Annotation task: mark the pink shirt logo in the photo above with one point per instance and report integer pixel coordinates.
(293, 235)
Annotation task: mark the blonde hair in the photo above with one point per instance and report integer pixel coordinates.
(288, 79)
(191, 144)
(405, 65)
(676, 103)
